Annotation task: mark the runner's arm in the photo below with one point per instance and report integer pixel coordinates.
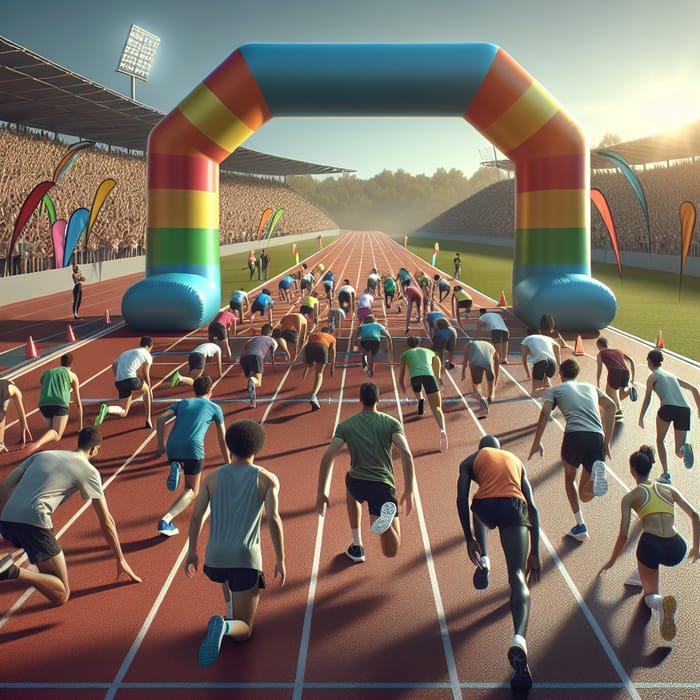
(109, 530)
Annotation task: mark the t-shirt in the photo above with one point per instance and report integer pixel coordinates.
(578, 401)
(389, 285)
(286, 282)
(668, 389)
(368, 435)
(264, 300)
(192, 419)
(261, 345)
(225, 318)
(481, 354)
(541, 347)
(346, 289)
(371, 331)
(365, 301)
(50, 478)
(419, 362)
(238, 297)
(55, 387)
(130, 361)
(413, 294)
(207, 350)
(493, 321)
(613, 359)
(499, 474)
(326, 339)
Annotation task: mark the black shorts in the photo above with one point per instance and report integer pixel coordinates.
(344, 298)
(544, 367)
(125, 387)
(289, 335)
(465, 304)
(501, 512)
(39, 543)
(443, 342)
(304, 284)
(306, 310)
(376, 493)
(235, 306)
(370, 345)
(217, 331)
(197, 360)
(52, 411)
(425, 381)
(256, 307)
(190, 467)
(653, 550)
(678, 415)
(478, 373)
(581, 447)
(251, 364)
(618, 378)
(237, 579)
(498, 335)
(316, 352)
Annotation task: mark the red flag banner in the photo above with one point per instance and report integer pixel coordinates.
(601, 204)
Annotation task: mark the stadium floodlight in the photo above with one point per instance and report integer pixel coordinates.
(488, 152)
(138, 54)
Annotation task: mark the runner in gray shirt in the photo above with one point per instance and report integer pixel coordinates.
(253, 360)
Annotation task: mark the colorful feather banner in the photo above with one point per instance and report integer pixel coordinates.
(687, 214)
(58, 235)
(601, 204)
(274, 221)
(263, 220)
(76, 225)
(101, 194)
(28, 208)
(68, 159)
(47, 203)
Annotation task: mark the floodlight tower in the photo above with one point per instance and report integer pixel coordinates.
(138, 54)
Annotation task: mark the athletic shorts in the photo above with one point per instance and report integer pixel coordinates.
(501, 512)
(217, 331)
(251, 364)
(582, 447)
(370, 345)
(389, 295)
(306, 310)
(544, 367)
(236, 306)
(257, 307)
(465, 304)
(478, 373)
(498, 336)
(653, 550)
(126, 387)
(425, 381)
(197, 360)
(678, 415)
(329, 286)
(289, 335)
(376, 493)
(304, 284)
(190, 467)
(443, 341)
(237, 579)
(53, 411)
(344, 298)
(618, 378)
(362, 312)
(316, 352)
(39, 543)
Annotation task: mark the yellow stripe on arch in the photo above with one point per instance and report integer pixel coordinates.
(529, 113)
(551, 209)
(183, 209)
(214, 119)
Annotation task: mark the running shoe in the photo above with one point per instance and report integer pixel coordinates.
(504, 361)
(522, 679)
(209, 650)
(174, 476)
(449, 365)
(665, 478)
(579, 532)
(619, 416)
(386, 517)
(600, 480)
(8, 569)
(634, 580)
(355, 552)
(443, 441)
(251, 392)
(405, 330)
(315, 405)
(175, 380)
(688, 456)
(668, 621)
(421, 406)
(633, 393)
(483, 404)
(167, 529)
(481, 578)
(102, 414)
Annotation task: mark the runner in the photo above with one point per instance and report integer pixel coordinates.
(253, 357)
(389, 285)
(310, 309)
(237, 494)
(369, 436)
(414, 298)
(493, 321)
(461, 303)
(504, 501)
(444, 338)
(483, 361)
(263, 305)
(219, 330)
(197, 364)
(291, 330)
(442, 286)
(9, 390)
(285, 285)
(346, 297)
(542, 352)
(329, 283)
(368, 335)
(239, 299)
(320, 351)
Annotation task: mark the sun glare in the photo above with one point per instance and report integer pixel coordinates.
(668, 108)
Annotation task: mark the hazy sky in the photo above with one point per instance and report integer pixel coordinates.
(627, 68)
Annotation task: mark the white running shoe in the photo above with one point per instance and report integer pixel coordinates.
(386, 517)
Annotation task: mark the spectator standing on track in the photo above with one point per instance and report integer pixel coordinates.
(132, 379)
(457, 265)
(78, 279)
(54, 400)
(346, 297)
(9, 390)
(424, 369)
(186, 445)
(368, 335)
(237, 494)
(369, 436)
(219, 330)
(493, 322)
(504, 501)
(542, 352)
(30, 494)
(252, 263)
(239, 299)
(263, 305)
(264, 264)
(483, 360)
(660, 543)
(320, 351)
(197, 364)
(674, 409)
(621, 370)
(252, 360)
(586, 442)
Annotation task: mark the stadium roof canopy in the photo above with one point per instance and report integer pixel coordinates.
(37, 93)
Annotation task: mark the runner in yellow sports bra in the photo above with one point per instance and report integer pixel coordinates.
(660, 543)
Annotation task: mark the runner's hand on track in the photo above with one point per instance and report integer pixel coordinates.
(191, 564)
(532, 569)
(474, 552)
(281, 572)
(124, 568)
(536, 449)
(26, 433)
(407, 500)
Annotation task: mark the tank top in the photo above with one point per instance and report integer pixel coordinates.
(653, 503)
(498, 473)
(55, 387)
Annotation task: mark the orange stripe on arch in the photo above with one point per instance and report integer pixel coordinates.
(559, 136)
(176, 135)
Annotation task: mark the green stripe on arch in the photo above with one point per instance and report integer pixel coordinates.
(187, 246)
(546, 246)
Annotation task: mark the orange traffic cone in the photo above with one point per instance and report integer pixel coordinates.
(660, 340)
(70, 335)
(108, 320)
(31, 351)
(578, 348)
(502, 300)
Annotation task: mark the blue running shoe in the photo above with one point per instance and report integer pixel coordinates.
(174, 476)
(665, 478)
(252, 393)
(600, 480)
(356, 553)
(209, 650)
(579, 532)
(688, 456)
(167, 529)
(633, 393)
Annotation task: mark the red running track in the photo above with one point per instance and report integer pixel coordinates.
(409, 627)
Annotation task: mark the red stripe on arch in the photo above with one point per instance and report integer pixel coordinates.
(180, 172)
(565, 172)
(177, 135)
(558, 136)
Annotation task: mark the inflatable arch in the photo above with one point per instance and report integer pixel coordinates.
(477, 81)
